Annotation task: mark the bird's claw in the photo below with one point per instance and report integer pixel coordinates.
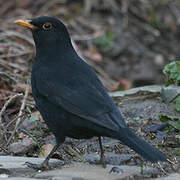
(103, 163)
(41, 166)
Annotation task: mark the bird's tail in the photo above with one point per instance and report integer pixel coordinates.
(140, 146)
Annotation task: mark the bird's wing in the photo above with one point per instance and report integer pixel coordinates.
(86, 102)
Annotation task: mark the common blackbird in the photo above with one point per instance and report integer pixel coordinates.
(70, 97)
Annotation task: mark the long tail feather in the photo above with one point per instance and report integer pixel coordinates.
(140, 146)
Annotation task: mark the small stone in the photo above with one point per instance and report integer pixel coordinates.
(110, 158)
(46, 149)
(156, 127)
(92, 158)
(64, 178)
(22, 146)
(116, 170)
(169, 93)
(150, 172)
(4, 175)
(117, 159)
(161, 136)
(174, 176)
(159, 60)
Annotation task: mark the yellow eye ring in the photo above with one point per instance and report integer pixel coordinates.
(47, 26)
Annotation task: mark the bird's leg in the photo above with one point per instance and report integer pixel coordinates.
(102, 158)
(44, 165)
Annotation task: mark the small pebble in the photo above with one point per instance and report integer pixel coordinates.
(4, 175)
(116, 170)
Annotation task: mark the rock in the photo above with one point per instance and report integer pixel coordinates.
(15, 162)
(22, 146)
(65, 178)
(111, 158)
(170, 93)
(116, 170)
(161, 136)
(19, 178)
(159, 60)
(4, 171)
(92, 158)
(117, 159)
(154, 89)
(27, 124)
(174, 176)
(75, 171)
(156, 127)
(82, 171)
(46, 149)
(150, 173)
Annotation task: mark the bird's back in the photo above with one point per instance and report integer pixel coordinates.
(73, 73)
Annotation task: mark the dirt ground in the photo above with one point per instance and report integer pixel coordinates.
(126, 42)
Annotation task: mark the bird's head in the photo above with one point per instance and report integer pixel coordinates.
(47, 31)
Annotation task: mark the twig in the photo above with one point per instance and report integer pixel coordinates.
(124, 9)
(12, 65)
(162, 168)
(16, 55)
(84, 22)
(7, 104)
(2, 148)
(171, 162)
(34, 139)
(87, 36)
(8, 76)
(48, 5)
(88, 5)
(19, 35)
(75, 153)
(3, 110)
(174, 11)
(20, 113)
(8, 5)
(22, 116)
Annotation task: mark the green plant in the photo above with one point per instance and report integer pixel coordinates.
(106, 40)
(172, 72)
(34, 118)
(154, 18)
(177, 151)
(173, 121)
(34, 139)
(177, 103)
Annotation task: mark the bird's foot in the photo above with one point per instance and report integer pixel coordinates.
(97, 161)
(41, 166)
(103, 162)
(100, 162)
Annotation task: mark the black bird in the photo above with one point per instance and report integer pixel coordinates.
(70, 97)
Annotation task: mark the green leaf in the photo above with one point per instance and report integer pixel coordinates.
(165, 118)
(34, 118)
(106, 40)
(173, 121)
(177, 103)
(175, 124)
(177, 151)
(172, 72)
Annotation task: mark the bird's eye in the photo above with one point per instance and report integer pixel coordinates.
(47, 26)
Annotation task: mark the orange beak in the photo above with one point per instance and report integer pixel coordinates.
(26, 24)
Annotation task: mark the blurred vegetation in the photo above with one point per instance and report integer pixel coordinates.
(172, 73)
(105, 41)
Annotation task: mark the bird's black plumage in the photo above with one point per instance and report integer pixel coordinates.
(69, 95)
